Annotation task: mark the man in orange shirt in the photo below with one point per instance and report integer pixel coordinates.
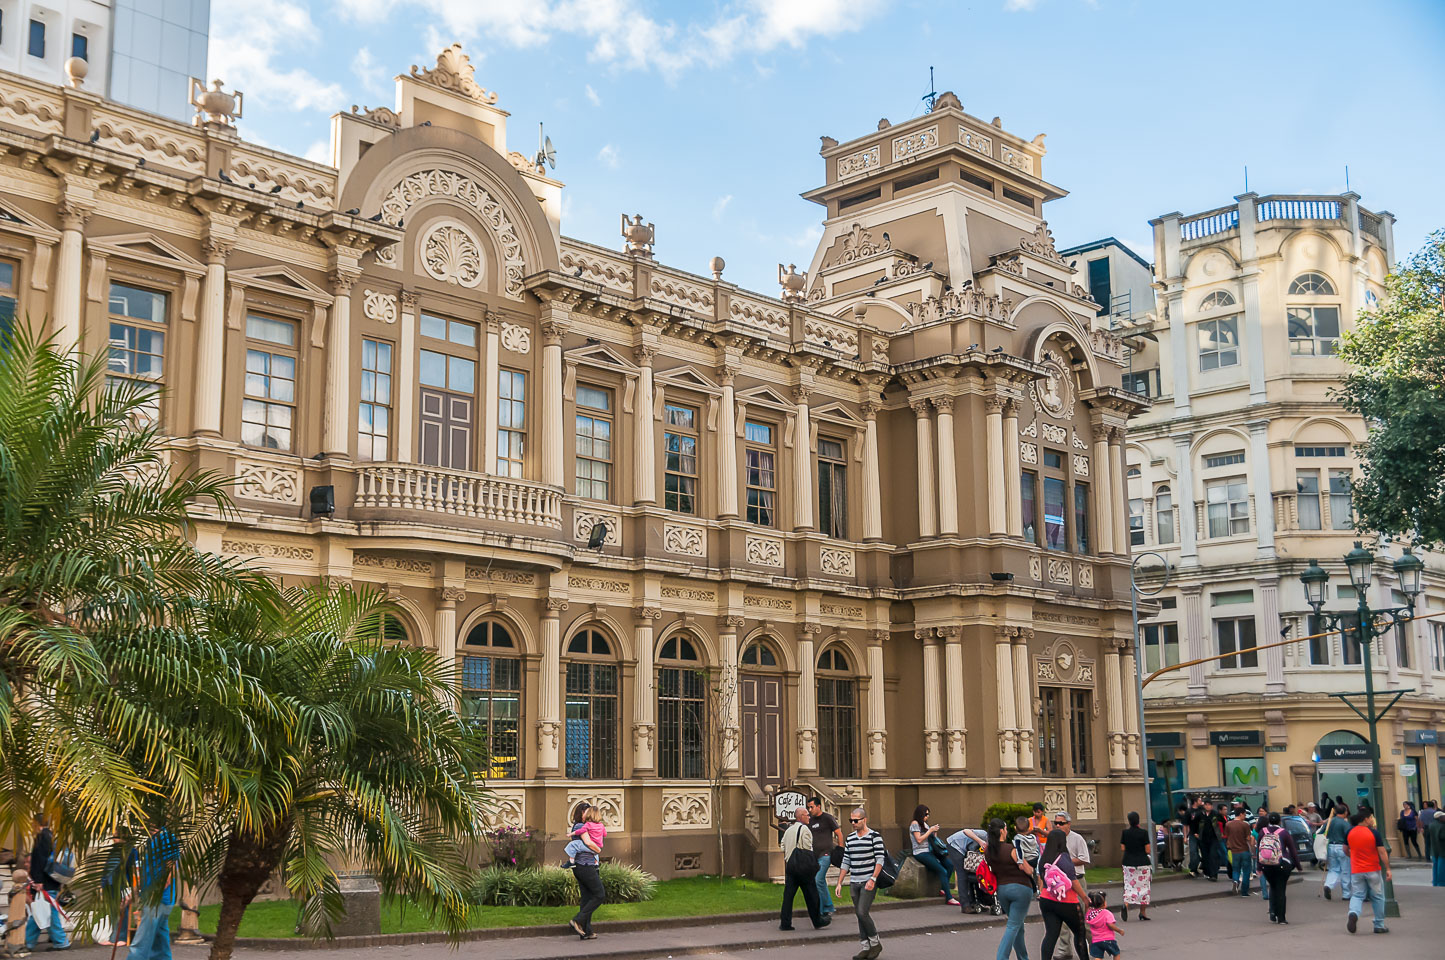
(1369, 869)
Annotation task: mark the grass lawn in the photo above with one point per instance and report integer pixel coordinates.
(690, 897)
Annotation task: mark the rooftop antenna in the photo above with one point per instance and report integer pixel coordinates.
(546, 153)
(1246, 178)
(932, 93)
(1347, 178)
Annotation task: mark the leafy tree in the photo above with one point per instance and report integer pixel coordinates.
(1397, 383)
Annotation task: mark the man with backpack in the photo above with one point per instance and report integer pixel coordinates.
(45, 887)
(867, 864)
(800, 871)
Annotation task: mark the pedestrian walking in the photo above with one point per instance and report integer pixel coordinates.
(1015, 876)
(1078, 849)
(863, 859)
(1062, 896)
(1209, 842)
(157, 872)
(587, 871)
(924, 837)
(1239, 840)
(1138, 870)
(1277, 858)
(1193, 820)
(115, 882)
(1369, 869)
(44, 887)
(1409, 827)
(1103, 932)
(800, 871)
(1435, 834)
(964, 845)
(1337, 854)
(1427, 817)
(827, 838)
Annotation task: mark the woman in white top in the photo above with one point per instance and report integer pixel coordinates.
(923, 835)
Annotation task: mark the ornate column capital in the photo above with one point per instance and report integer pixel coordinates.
(808, 630)
(555, 606)
(920, 407)
(1005, 632)
(944, 405)
(869, 409)
(1026, 634)
(949, 631)
(453, 594)
(342, 280)
(801, 393)
(645, 615)
(729, 623)
(727, 372)
(74, 212)
(995, 404)
(877, 637)
(493, 322)
(410, 300)
(216, 249)
(644, 354)
(925, 634)
(553, 330)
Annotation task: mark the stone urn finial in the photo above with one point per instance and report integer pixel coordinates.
(716, 265)
(639, 236)
(76, 70)
(215, 106)
(792, 283)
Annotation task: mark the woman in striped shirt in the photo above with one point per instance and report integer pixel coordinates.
(863, 856)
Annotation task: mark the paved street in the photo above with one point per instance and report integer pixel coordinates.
(1216, 928)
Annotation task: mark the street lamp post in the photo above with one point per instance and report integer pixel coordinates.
(1361, 566)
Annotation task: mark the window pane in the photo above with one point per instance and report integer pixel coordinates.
(271, 331)
(433, 369)
(1028, 508)
(758, 433)
(128, 301)
(461, 375)
(593, 397)
(462, 333)
(1054, 513)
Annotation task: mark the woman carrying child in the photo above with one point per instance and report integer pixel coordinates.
(589, 878)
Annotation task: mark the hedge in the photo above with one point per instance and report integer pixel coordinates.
(555, 887)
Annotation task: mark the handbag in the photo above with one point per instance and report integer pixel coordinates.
(971, 861)
(938, 848)
(889, 874)
(1322, 844)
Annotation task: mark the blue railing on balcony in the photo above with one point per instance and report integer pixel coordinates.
(1209, 224)
(1300, 209)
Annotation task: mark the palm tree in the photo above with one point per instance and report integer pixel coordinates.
(104, 603)
(372, 766)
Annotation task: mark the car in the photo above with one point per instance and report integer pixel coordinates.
(1304, 838)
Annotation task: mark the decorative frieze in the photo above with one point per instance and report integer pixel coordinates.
(681, 538)
(477, 571)
(1069, 618)
(763, 551)
(1086, 803)
(1029, 452)
(1081, 465)
(860, 162)
(916, 142)
(1086, 575)
(1061, 571)
(689, 593)
(268, 549)
(771, 603)
(1016, 158)
(1052, 432)
(686, 810)
(403, 564)
(1036, 567)
(1055, 799)
(609, 804)
(506, 808)
(975, 141)
(584, 520)
(836, 561)
(840, 610)
(600, 584)
(449, 252)
(268, 481)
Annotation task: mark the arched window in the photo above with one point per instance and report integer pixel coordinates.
(1164, 514)
(491, 693)
(759, 654)
(837, 716)
(681, 710)
(591, 717)
(1316, 284)
(1216, 300)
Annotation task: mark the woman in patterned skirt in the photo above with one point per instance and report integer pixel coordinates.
(1138, 871)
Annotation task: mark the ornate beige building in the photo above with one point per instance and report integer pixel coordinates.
(418, 382)
(1239, 476)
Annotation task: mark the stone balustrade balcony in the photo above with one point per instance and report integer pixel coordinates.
(457, 493)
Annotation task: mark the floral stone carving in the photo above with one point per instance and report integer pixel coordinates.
(379, 305)
(507, 809)
(836, 561)
(608, 803)
(454, 72)
(451, 254)
(764, 551)
(517, 339)
(264, 481)
(679, 538)
(686, 810)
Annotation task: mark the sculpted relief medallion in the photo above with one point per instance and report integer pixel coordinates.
(451, 254)
(1054, 394)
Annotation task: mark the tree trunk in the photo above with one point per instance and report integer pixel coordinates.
(250, 861)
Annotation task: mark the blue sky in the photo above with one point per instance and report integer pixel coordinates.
(705, 116)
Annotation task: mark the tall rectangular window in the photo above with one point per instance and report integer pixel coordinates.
(9, 301)
(1081, 722)
(268, 411)
(679, 444)
(138, 345)
(1307, 498)
(832, 489)
(1161, 645)
(1350, 640)
(1228, 506)
(1164, 514)
(1218, 343)
(1136, 521)
(1081, 517)
(373, 412)
(1099, 286)
(591, 704)
(1314, 331)
(1340, 499)
(448, 377)
(1233, 635)
(1319, 651)
(1054, 538)
(681, 720)
(837, 727)
(511, 422)
(80, 46)
(1028, 484)
(1051, 717)
(594, 443)
(491, 697)
(761, 473)
(1437, 645)
(37, 39)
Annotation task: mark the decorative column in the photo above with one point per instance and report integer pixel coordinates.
(732, 738)
(1127, 667)
(1184, 500)
(1269, 632)
(1195, 638)
(405, 395)
(997, 499)
(446, 626)
(549, 688)
(1119, 508)
(1114, 700)
(932, 707)
(802, 462)
(926, 512)
(877, 713)
(1263, 489)
(953, 706)
(1012, 477)
(807, 701)
(1104, 502)
(644, 453)
(491, 392)
(644, 701)
(65, 302)
(336, 415)
(211, 338)
(872, 490)
(1023, 697)
(552, 428)
(947, 472)
(727, 446)
(1004, 677)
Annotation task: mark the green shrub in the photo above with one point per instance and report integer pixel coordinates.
(555, 887)
(1008, 813)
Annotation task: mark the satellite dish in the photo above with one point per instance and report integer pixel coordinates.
(546, 153)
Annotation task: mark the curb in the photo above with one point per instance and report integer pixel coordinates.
(432, 937)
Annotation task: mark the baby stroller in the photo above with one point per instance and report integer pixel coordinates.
(984, 901)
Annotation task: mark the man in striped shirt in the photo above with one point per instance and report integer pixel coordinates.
(863, 856)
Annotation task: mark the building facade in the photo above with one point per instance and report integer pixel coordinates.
(1239, 476)
(141, 53)
(643, 512)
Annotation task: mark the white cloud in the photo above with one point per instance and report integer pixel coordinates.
(369, 72)
(608, 155)
(249, 37)
(626, 35)
(1020, 6)
(319, 152)
(592, 96)
(720, 205)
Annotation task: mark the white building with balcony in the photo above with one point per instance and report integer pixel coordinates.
(1238, 476)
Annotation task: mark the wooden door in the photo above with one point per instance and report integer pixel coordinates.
(762, 720)
(446, 429)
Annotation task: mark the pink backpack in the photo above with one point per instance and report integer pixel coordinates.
(1056, 881)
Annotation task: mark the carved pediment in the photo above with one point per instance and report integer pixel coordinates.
(686, 376)
(146, 248)
(15, 219)
(278, 279)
